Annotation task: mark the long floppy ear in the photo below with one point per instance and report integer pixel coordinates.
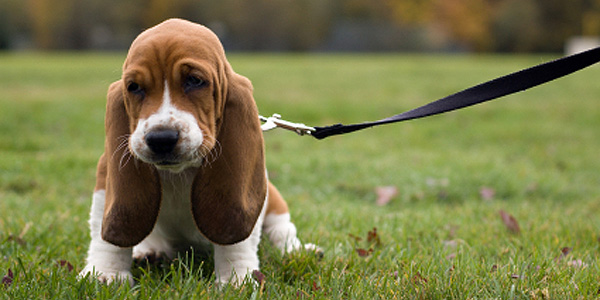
(228, 194)
(133, 190)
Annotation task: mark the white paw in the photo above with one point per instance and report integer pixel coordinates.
(234, 280)
(315, 249)
(254, 279)
(282, 233)
(107, 277)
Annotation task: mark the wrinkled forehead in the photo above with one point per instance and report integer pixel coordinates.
(173, 40)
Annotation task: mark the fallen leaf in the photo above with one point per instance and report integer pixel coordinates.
(65, 264)
(564, 251)
(373, 237)
(258, 276)
(510, 222)
(354, 237)
(451, 269)
(364, 253)
(8, 279)
(385, 194)
(487, 193)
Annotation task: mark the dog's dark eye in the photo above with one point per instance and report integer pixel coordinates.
(135, 88)
(192, 82)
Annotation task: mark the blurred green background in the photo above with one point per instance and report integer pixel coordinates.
(308, 25)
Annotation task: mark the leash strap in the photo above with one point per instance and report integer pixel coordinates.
(496, 88)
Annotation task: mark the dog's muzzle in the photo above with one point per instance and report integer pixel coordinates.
(162, 142)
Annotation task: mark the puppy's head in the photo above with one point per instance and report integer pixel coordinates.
(174, 83)
(177, 102)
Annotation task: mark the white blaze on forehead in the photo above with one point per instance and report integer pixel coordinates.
(166, 108)
(163, 117)
(169, 117)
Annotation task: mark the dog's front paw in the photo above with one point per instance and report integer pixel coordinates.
(237, 280)
(318, 251)
(108, 277)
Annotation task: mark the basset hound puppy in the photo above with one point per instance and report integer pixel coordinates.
(183, 163)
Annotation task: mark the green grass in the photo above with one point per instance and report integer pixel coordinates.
(438, 239)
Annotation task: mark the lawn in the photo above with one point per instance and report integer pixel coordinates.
(534, 156)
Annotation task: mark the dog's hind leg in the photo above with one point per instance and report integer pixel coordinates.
(278, 226)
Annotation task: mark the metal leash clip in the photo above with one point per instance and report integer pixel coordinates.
(275, 121)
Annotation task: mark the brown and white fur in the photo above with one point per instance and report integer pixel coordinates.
(183, 164)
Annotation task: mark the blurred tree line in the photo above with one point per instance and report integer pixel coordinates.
(308, 25)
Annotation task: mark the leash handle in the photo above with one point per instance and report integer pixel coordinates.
(496, 88)
(275, 121)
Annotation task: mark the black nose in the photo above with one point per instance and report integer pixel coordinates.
(162, 141)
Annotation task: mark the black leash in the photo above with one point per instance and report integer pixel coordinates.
(496, 88)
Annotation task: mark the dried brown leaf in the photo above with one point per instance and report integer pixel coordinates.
(8, 279)
(373, 237)
(354, 237)
(510, 222)
(364, 253)
(385, 194)
(564, 251)
(258, 276)
(65, 264)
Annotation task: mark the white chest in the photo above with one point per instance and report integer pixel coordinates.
(175, 223)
